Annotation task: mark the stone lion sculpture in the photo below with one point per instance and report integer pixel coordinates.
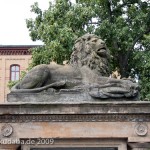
(88, 69)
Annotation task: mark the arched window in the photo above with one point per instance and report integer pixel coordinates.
(14, 72)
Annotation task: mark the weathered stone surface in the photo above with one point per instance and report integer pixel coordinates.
(84, 79)
(73, 96)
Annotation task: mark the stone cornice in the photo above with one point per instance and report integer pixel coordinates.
(126, 108)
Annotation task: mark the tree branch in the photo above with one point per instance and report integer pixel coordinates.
(129, 50)
(137, 38)
(109, 10)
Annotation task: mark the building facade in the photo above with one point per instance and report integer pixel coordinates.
(13, 60)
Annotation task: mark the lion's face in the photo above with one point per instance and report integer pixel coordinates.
(89, 50)
(97, 45)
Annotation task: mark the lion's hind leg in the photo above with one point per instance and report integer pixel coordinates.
(35, 78)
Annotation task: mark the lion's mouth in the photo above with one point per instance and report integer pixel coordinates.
(102, 52)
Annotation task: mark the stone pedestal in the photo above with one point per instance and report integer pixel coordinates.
(118, 125)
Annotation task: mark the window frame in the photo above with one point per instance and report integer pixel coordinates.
(15, 72)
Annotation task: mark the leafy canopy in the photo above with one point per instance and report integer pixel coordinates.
(57, 27)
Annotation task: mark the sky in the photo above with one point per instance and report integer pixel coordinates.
(13, 13)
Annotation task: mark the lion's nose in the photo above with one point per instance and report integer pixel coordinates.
(102, 42)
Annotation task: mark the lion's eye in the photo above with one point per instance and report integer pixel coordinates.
(95, 40)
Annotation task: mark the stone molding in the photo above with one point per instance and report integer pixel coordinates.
(127, 108)
(74, 118)
(83, 112)
(141, 129)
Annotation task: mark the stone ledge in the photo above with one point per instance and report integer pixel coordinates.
(122, 107)
(60, 97)
(139, 139)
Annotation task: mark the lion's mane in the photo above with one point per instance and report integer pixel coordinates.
(85, 54)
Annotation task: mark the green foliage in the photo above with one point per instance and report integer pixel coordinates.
(57, 27)
(11, 84)
(145, 88)
(124, 25)
(142, 59)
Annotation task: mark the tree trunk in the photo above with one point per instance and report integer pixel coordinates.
(123, 65)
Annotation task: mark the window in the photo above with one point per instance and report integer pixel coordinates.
(14, 72)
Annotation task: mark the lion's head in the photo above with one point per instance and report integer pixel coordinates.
(91, 51)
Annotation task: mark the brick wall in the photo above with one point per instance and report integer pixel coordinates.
(9, 55)
(5, 62)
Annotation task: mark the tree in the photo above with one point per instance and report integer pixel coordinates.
(57, 27)
(122, 24)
